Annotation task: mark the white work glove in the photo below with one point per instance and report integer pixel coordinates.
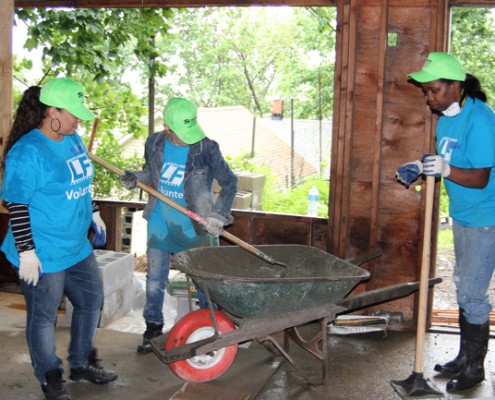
(409, 172)
(435, 166)
(214, 226)
(30, 267)
(100, 237)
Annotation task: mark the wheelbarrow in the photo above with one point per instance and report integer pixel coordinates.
(248, 300)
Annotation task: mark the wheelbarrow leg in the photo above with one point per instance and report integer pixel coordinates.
(288, 358)
(317, 345)
(205, 291)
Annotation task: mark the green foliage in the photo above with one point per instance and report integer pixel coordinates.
(106, 183)
(473, 42)
(260, 54)
(95, 47)
(444, 201)
(289, 201)
(445, 239)
(93, 39)
(295, 199)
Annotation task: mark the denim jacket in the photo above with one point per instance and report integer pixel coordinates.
(204, 163)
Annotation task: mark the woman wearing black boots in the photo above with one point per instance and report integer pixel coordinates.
(465, 144)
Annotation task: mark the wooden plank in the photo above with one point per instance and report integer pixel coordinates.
(166, 3)
(440, 317)
(345, 71)
(6, 76)
(197, 3)
(377, 156)
(471, 3)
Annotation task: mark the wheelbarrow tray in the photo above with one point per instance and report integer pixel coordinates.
(247, 287)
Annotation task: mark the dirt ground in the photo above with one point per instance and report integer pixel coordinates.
(140, 264)
(444, 295)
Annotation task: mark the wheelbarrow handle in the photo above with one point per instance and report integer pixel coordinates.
(366, 257)
(184, 210)
(380, 295)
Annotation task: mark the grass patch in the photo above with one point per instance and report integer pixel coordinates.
(445, 239)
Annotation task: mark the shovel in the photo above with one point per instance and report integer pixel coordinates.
(416, 385)
(195, 217)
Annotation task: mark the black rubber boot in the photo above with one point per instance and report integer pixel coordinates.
(54, 388)
(152, 331)
(457, 364)
(92, 372)
(476, 346)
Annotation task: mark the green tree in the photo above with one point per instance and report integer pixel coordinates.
(473, 42)
(259, 54)
(216, 56)
(95, 47)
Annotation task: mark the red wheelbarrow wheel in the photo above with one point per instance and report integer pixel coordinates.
(195, 326)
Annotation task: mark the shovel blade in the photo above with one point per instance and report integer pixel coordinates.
(416, 386)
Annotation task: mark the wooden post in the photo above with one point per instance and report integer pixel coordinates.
(6, 75)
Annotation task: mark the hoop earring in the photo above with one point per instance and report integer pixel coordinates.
(59, 124)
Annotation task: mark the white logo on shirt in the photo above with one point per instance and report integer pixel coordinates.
(447, 147)
(80, 168)
(172, 175)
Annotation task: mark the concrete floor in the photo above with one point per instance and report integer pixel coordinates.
(361, 367)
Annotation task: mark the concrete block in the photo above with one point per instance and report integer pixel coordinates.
(242, 200)
(257, 207)
(117, 304)
(257, 194)
(117, 269)
(250, 182)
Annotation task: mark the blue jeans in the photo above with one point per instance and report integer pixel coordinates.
(475, 263)
(156, 284)
(83, 285)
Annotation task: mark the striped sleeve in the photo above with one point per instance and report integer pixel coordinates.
(21, 226)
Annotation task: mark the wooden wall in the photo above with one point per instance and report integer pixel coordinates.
(381, 121)
(6, 73)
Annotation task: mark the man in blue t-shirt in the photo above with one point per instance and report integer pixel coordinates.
(180, 162)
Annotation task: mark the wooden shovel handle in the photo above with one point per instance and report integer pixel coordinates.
(93, 134)
(425, 269)
(184, 210)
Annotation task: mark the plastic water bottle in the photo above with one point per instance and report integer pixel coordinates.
(313, 198)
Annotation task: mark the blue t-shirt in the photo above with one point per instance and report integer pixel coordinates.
(54, 180)
(169, 229)
(468, 141)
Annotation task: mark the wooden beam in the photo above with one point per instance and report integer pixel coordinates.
(471, 3)
(166, 3)
(6, 74)
(198, 3)
(341, 139)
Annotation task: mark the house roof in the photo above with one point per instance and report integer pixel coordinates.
(312, 139)
(232, 128)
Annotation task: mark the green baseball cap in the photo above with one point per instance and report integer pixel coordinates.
(67, 94)
(181, 116)
(440, 66)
